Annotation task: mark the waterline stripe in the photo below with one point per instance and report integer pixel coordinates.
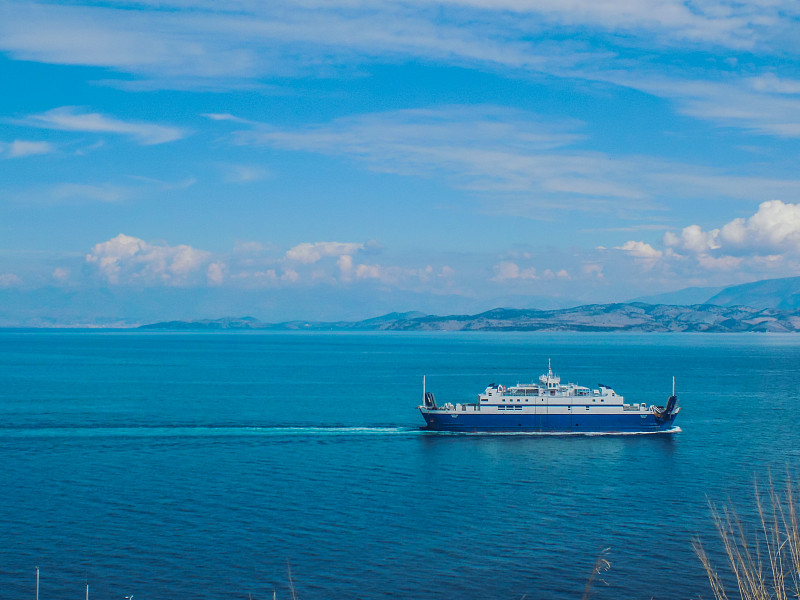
(276, 431)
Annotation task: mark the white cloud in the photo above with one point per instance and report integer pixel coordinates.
(480, 148)
(516, 153)
(125, 259)
(204, 45)
(70, 118)
(719, 263)
(773, 229)
(771, 261)
(762, 104)
(669, 21)
(224, 117)
(251, 247)
(60, 274)
(244, 173)
(640, 250)
(8, 280)
(593, 270)
(768, 239)
(97, 192)
(215, 273)
(392, 275)
(775, 226)
(290, 275)
(508, 270)
(562, 274)
(693, 239)
(22, 148)
(267, 276)
(369, 272)
(310, 264)
(345, 264)
(131, 186)
(308, 253)
(769, 82)
(247, 40)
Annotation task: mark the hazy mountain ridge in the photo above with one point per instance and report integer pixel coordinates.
(781, 294)
(617, 317)
(635, 316)
(176, 309)
(683, 297)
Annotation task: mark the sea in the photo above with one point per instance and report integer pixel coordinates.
(231, 465)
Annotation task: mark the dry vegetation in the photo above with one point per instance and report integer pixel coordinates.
(764, 562)
(601, 565)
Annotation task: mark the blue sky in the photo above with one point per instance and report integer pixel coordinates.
(339, 159)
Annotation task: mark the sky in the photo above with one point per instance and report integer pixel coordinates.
(182, 159)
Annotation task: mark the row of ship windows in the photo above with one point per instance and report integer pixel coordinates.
(520, 408)
(536, 392)
(526, 400)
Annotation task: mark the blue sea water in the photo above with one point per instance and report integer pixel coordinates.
(204, 465)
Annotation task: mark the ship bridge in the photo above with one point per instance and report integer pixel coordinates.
(549, 380)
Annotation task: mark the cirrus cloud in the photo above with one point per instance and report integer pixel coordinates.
(72, 118)
(519, 161)
(22, 148)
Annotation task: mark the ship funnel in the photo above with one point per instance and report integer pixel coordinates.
(430, 401)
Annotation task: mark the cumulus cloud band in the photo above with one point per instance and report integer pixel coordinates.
(767, 238)
(127, 259)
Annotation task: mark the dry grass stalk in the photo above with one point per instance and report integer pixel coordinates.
(291, 581)
(601, 565)
(766, 563)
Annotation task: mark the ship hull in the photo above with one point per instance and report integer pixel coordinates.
(550, 423)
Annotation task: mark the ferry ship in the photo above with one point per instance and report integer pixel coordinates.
(548, 406)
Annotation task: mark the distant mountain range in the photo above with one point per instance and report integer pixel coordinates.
(769, 305)
(635, 316)
(684, 297)
(783, 294)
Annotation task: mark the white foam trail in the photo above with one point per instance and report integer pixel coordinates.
(201, 430)
(331, 430)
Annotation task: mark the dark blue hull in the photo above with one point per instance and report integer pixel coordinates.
(550, 423)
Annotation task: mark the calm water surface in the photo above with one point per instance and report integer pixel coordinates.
(201, 465)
